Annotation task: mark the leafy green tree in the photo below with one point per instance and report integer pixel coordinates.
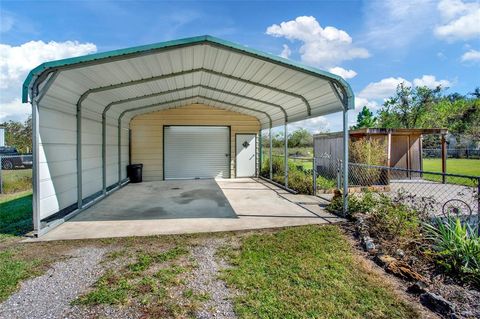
(406, 108)
(300, 138)
(19, 135)
(365, 119)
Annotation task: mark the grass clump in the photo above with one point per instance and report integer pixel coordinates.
(308, 272)
(456, 248)
(12, 271)
(147, 281)
(16, 180)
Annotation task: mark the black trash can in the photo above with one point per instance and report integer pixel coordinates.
(134, 173)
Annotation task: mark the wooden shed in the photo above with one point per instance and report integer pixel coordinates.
(403, 146)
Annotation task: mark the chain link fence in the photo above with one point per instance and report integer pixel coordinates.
(440, 194)
(452, 153)
(15, 173)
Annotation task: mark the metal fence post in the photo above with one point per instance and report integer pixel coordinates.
(1, 180)
(478, 202)
(314, 173)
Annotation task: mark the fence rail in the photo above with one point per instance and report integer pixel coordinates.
(440, 193)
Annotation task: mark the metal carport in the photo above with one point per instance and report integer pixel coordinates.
(82, 107)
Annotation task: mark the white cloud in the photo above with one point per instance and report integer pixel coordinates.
(460, 20)
(17, 61)
(324, 47)
(431, 82)
(346, 74)
(382, 89)
(375, 93)
(471, 56)
(14, 110)
(286, 52)
(398, 24)
(360, 102)
(314, 125)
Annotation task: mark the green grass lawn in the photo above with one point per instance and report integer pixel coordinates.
(469, 167)
(16, 180)
(454, 166)
(308, 272)
(15, 213)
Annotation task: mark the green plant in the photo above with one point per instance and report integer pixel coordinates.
(456, 247)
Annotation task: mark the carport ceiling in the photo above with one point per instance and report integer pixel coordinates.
(203, 69)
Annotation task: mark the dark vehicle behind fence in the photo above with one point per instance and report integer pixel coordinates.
(12, 159)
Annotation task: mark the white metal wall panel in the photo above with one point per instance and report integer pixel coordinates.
(196, 152)
(57, 161)
(91, 156)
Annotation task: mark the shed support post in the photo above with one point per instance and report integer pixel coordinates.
(270, 153)
(345, 162)
(286, 154)
(35, 164)
(444, 158)
(104, 154)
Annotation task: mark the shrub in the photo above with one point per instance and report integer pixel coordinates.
(370, 152)
(456, 247)
(299, 178)
(389, 219)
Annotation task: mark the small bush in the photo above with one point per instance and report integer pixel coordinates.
(389, 219)
(300, 179)
(456, 248)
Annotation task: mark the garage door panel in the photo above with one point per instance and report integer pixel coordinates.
(196, 152)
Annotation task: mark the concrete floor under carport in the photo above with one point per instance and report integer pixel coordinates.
(191, 206)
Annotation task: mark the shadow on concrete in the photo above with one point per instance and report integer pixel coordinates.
(173, 199)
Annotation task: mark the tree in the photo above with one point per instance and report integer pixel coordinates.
(365, 119)
(300, 138)
(19, 135)
(407, 107)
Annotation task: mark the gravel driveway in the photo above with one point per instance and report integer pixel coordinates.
(49, 295)
(204, 279)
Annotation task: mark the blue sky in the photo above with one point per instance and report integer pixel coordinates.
(374, 44)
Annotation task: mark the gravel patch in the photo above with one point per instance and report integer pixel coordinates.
(49, 295)
(204, 279)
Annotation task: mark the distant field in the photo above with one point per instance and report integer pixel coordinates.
(454, 166)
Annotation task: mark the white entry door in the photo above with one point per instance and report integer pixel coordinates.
(196, 152)
(246, 155)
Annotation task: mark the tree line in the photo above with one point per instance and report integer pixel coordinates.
(421, 107)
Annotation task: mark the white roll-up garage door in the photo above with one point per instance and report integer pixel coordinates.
(196, 152)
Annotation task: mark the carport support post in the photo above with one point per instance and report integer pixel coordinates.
(104, 154)
(345, 161)
(286, 154)
(35, 164)
(270, 152)
(260, 155)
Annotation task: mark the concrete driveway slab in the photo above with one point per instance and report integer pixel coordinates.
(192, 206)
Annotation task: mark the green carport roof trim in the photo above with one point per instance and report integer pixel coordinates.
(59, 64)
